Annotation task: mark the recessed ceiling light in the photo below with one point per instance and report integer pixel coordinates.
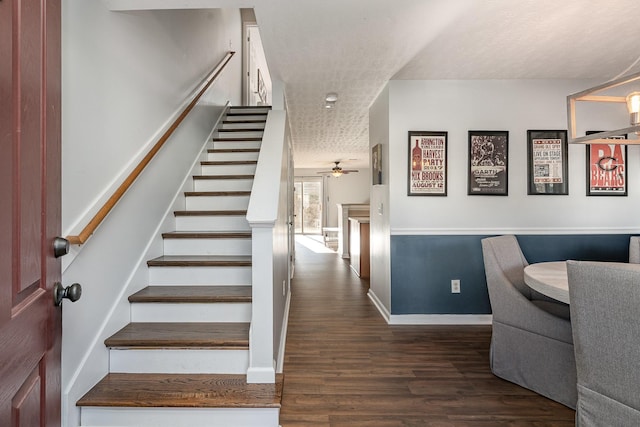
(331, 97)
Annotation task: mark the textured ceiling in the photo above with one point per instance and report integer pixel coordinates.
(353, 47)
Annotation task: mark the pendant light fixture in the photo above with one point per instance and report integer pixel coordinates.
(598, 94)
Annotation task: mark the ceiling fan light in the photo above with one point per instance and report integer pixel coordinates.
(336, 174)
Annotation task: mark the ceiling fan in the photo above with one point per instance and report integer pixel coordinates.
(337, 171)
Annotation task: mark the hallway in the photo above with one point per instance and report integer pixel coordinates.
(344, 366)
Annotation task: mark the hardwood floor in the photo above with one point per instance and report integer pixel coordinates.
(344, 366)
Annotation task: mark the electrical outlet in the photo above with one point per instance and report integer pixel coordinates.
(455, 286)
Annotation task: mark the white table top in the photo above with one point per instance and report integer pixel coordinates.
(549, 278)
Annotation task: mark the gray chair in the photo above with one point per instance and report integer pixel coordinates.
(634, 249)
(531, 343)
(606, 331)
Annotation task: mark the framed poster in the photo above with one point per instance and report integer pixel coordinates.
(488, 163)
(376, 164)
(606, 168)
(547, 168)
(427, 164)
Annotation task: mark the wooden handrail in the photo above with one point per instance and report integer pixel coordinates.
(90, 228)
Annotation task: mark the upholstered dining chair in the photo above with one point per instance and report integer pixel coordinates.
(604, 310)
(634, 249)
(531, 342)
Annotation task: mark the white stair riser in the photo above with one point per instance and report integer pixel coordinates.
(249, 169)
(248, 116)
(224, 157)
(219, 223)
(251, 125)
(196, 203)
(179, 417)
(191, 312)
(222, 184)
(182, 361)
(218, 246)
(236, 144)
(200, 275)
(253, 110)
(240, 134)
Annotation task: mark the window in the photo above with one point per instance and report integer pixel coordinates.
(308, 205)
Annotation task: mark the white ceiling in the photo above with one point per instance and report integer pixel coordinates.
(353, 47)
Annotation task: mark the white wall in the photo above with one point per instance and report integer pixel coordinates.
(349, 188)
(125, 77)
(460, 106)
(380, 275)
(515, 106)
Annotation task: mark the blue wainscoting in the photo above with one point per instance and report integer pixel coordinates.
(422, 267)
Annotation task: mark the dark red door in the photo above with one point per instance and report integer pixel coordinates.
(30, 325)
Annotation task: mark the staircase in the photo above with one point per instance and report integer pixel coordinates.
(182, 361)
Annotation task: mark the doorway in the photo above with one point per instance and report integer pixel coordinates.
(256, 86)
(308, 205)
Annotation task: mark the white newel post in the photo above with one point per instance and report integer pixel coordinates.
(261, 362)
(262, 215)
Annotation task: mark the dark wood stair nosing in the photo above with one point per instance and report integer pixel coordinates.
(210, 213)
(228, 162)
(217, 193)
(250, 139)
(241, 130)
(177, 294)
(205, 177)
(207, 235)
(233, 150)
(182, 391)
(198, 263)
(229, 122)
(201, 335)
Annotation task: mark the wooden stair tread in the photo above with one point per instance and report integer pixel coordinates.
(192, 294)
(200, 261)
(232, 122)
(181, 335)
(182, 390)
(205, 177)
(216, 193)
(228, 162)
(211, 213)
(241, 130)
(252, 139)
(233, 150)
(248, 113)
(207, 235)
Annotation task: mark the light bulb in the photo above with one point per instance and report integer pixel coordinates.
(633, 104)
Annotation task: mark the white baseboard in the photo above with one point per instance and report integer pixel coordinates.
(381, 308)
(440, 319)
(283, 335)
(429, 319)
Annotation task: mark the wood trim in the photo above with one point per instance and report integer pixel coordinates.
(93, 224)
